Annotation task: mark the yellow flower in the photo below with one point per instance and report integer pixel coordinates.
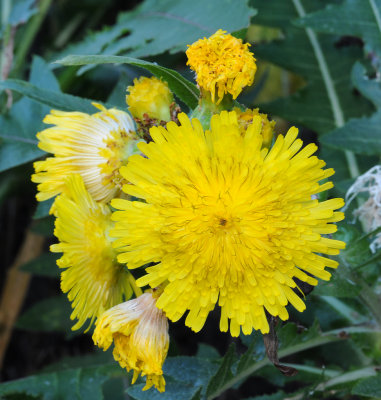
(95, 146)
(223, 64)
(93, 278)
(226, 221)
(245, 118)
(140, 334)
(150, 96)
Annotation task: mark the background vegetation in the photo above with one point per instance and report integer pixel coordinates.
(319, 69)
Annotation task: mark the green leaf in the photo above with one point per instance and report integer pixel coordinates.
(191, 370)
(170, 25)
(351, 17)
(68, 384)
(368, 387)
(275, 396)
(360, 135)
(43, 208)
(173, 391)
(48, 315)
(18, 143)
(327, 100)
(44, 265)
(21, 12)
(224, 373)
(61, 101)
(181, 87)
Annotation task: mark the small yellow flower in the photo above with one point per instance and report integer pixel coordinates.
(245, 118)
(93, 278)
(150, 96)
(226, 221)
(95, 146)
(223, 64)
(140, 334)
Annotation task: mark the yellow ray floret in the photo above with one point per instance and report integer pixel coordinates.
(226, 221)
(93, 278)
(150, 96)
(140, 334)
(95, 146)
(223, 64)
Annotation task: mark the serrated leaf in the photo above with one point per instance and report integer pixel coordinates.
(361, 135)
(68, 384)
(60, 101)
(181, 87)
(44, 265)
(327, 100)
(223, 374)
(369, 387)
(49, 315)
(158, 26)
(351, 17)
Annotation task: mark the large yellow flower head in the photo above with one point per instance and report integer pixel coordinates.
(150, 96)
(93, 278)
(223, 64)
(226, 221)
(95, 146)
(140, 334)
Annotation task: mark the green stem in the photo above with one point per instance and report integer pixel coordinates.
(319, 341)
(138, 292)
(29, 35)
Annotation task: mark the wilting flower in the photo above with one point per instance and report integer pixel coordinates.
(150, 97)
(245, 118)
(140, 334)
(370, 211)
(94, 146)
(93, 278)
(223, 64)
(226, 221)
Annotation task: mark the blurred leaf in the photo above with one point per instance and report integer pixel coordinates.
(357, 18)
(158, 26)
(207, 351)
(223, 374)
(20, 13)
(118, 95)
(44, 265)
(369, 387)
(361, 135)
(44, 226)
(43, 208)
(275, 396)
(60, 101)
(18, 143)
(327, 100)
(181, 87)
(48, 315)
(69, 384)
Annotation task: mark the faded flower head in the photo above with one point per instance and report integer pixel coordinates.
(92, 277)
(140, 334)
(226, 221)
(94, 146)
(223, 64)
(150, 97)
(370, 211)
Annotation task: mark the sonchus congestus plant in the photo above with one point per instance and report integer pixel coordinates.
(215, 209)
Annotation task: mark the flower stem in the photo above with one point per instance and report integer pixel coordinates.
(138, 292)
